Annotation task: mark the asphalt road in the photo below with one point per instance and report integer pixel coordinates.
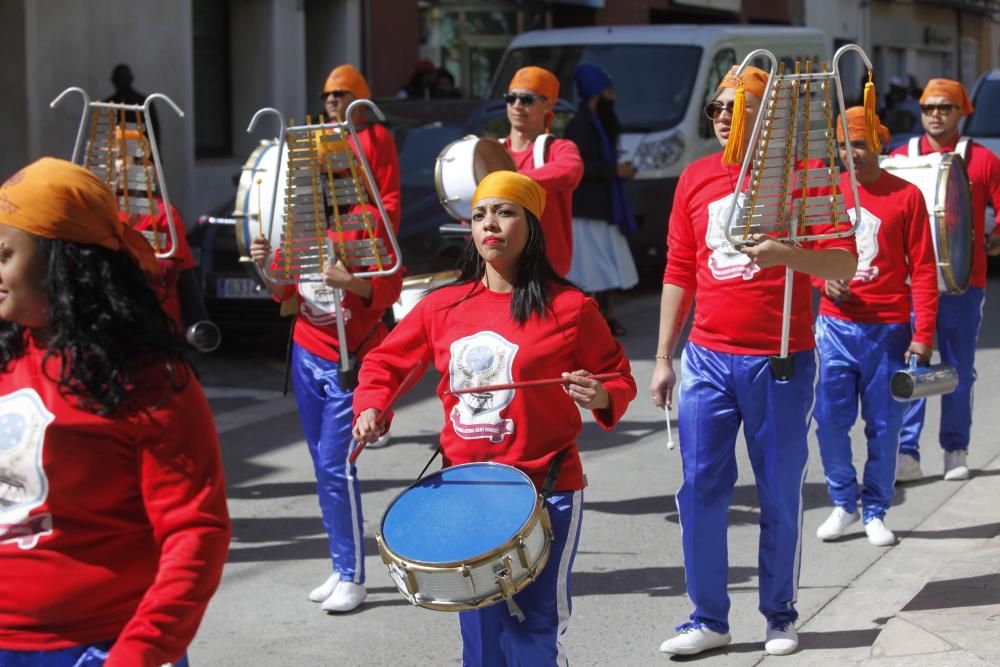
(628, 580)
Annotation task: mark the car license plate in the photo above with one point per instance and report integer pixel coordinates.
(240, 288)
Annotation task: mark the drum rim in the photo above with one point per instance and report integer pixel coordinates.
(533, 517)
(944, 263)
(242, 227)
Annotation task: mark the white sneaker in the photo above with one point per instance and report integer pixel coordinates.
(878, 534)
(907, 469)
(324, 590)
(381, 442)
(694, 638)
(347, 596)
(781, 639)
(836, 524)
(955, 467)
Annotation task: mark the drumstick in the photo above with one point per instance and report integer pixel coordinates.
(411, 377)
(670, 435)
(529, 383)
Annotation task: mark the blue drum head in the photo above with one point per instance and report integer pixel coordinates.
(459, 513)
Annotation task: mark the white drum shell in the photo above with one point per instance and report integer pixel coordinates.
(414, 288)
(253, 201)
(456, 178)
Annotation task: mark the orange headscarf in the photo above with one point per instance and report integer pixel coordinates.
(56, 199)
(347, 77)
(752, 79)
(953, 90)
(857, 127)
(516, 187)
(541, 81)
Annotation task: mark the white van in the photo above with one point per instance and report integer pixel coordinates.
(663, 76)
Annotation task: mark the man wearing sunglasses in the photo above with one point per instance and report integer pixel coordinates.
(943, 104)
(738, 296)
(554, 164)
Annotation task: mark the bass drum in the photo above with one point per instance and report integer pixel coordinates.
(944, 183)
(253, 198)
(460, 167)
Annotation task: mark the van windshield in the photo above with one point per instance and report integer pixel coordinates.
(652, 82)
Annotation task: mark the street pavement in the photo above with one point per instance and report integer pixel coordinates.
(934, 598)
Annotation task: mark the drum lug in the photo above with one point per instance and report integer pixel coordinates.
(469, 581)
(503, 571)
(522, 553)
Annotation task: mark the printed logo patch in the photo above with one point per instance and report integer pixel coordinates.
(23, 483)
(480, 360)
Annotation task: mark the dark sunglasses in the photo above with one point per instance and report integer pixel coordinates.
(928, 109)
(714, 109)
(337, 94)
(526, 99)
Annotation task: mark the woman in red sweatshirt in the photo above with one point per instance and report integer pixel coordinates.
(510, 317)
(113, 520)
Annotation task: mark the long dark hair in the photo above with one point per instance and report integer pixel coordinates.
(534, 273)
(106, 328)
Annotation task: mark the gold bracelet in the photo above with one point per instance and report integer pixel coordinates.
(663, 356)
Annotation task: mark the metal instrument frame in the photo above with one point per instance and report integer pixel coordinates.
(89, 105)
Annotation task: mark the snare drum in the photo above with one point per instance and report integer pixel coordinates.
(253, 200)
(465, 537)
(944, 183)
(460, 167)
(415, 287)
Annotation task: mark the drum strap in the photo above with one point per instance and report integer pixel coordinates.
(962, 147)
(437, 451)
(550, 479)
(538, 152)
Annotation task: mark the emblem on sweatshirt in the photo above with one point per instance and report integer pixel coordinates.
(479, 360)
(866, 238)
(319, 303)
(726, 262)
(23, 483)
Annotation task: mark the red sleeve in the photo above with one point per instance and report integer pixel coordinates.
(922, 262)
(185, 498)
(183, 253)
(385, 367)
(992, 173)
(563, 167)
(598, 352)
(682, 250)
(380, 151)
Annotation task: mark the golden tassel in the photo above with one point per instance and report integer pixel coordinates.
(735, 152)
(871, 120)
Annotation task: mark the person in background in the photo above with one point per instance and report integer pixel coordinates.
(554, 164)
(602, 262)
(113, 521)
(943, 105)
(863, 334)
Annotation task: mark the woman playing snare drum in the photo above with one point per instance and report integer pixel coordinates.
(510, 318)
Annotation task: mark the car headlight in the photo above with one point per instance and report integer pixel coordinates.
(659, 154)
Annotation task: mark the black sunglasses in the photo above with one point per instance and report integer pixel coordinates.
(714, 109)
(526, 99)
(336, 93)
(928, 109)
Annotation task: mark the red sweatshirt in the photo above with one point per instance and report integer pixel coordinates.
(984, 178)
(468, 334)
(895, 259)
(738, 306)
(559, 176)
(109, 527)
(316, 323)
(380, 151)
(165, 285)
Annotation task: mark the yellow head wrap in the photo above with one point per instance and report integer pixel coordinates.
(751, 79)
(953, 90)
(515, 187)
(56, 199)
(857, 126)
(347, 77)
